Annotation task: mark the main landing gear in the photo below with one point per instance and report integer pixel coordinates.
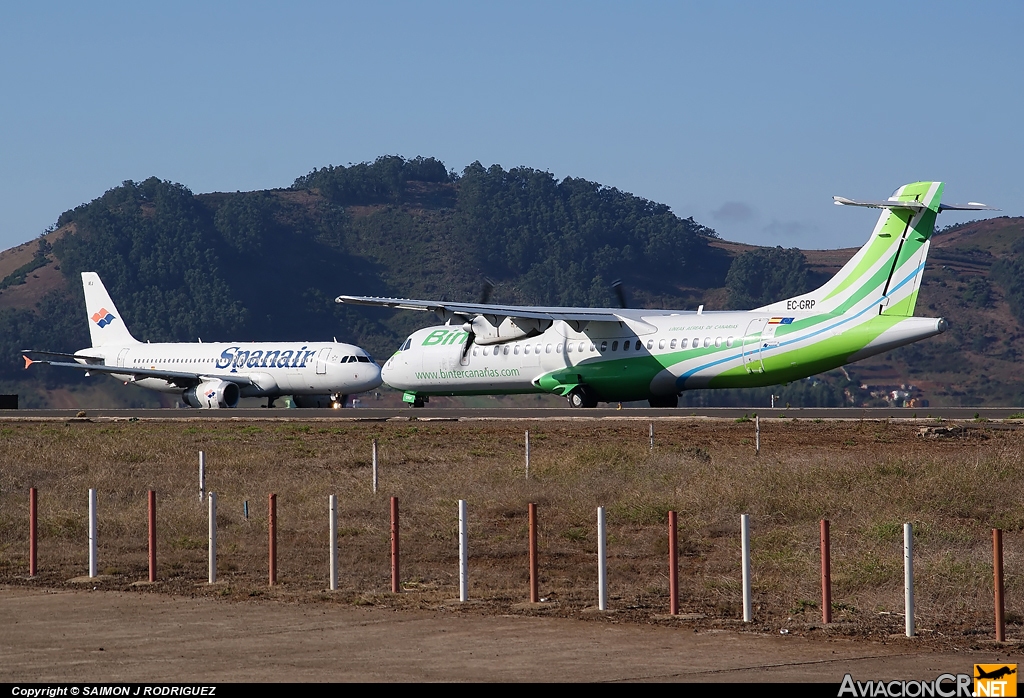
(581, 396)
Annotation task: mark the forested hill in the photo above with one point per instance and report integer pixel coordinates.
(267, 265)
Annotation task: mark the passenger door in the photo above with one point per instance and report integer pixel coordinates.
(752, 346)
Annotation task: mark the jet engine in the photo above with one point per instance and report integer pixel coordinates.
(212, 394)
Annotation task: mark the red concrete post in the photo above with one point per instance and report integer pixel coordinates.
(272, 532)
(997, 570)
(152, 535)
(534, 594)
(395, 586)
(33, 533)
(673, 565)
(826, 573)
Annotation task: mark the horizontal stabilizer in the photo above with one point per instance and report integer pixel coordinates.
(61, 355)
(911, 205)
(969, 206)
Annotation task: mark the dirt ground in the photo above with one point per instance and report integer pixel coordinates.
(954, 481)
(86, 636)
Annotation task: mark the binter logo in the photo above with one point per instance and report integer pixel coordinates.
(103, 317)
(445, 337)
(995, 679)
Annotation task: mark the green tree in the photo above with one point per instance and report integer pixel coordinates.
(763, 276)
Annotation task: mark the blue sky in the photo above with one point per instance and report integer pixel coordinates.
(746, 116)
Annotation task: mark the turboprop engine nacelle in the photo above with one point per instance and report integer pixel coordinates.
(508, 329)
(212, 394)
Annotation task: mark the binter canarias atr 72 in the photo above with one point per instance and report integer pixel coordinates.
(591, 355)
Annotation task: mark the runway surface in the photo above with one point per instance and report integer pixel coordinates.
(454, 413)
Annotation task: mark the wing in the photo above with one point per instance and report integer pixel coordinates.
(183, 379)
(495, 314)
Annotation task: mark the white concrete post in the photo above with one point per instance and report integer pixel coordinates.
(757, 435)
(745, 544)
(908, 575)
(333, 510)
(602, 562)
(212, 538)
(463, 553)
(651, 430)
(375, 466)
(202, 477)
(92, 533)
(527, 454)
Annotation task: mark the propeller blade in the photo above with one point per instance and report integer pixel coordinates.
(620, 292)
(485, 292)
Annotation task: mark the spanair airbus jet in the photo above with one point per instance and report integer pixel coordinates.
(315, 374)
(617, 355)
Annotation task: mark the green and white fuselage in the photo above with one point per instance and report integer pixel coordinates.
(613, 354)
(647, 356)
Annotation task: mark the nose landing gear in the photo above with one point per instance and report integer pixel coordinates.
(581, 396)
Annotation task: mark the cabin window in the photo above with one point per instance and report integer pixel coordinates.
(650, 344)
(639, 345)
(683, 342)
(583, 345)
(558, 349)
(707, 342)
(547, 349)
(604, 345)
(661, 343)
(718, 341)
(568, 348)
(515, 350)
(526, 349)
(505, 350)
(474, 352)
(615, 345)
(696, 342)
(728, 341)
(672, 344)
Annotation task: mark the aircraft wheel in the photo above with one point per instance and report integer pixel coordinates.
(664, 401)
(418, 402)
(581, 396)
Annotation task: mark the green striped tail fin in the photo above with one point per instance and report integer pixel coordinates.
(887, 271)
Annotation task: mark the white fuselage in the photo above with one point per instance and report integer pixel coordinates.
(274, 368)
(648, 354)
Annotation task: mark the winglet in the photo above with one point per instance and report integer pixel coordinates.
(28, 361)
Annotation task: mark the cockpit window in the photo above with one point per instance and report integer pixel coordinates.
(363, 359)
(408, 343)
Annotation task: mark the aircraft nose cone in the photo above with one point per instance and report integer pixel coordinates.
(387, 372)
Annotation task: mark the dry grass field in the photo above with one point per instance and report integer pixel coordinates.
(866, 477)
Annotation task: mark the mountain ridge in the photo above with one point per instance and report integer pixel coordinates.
(267, 265)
